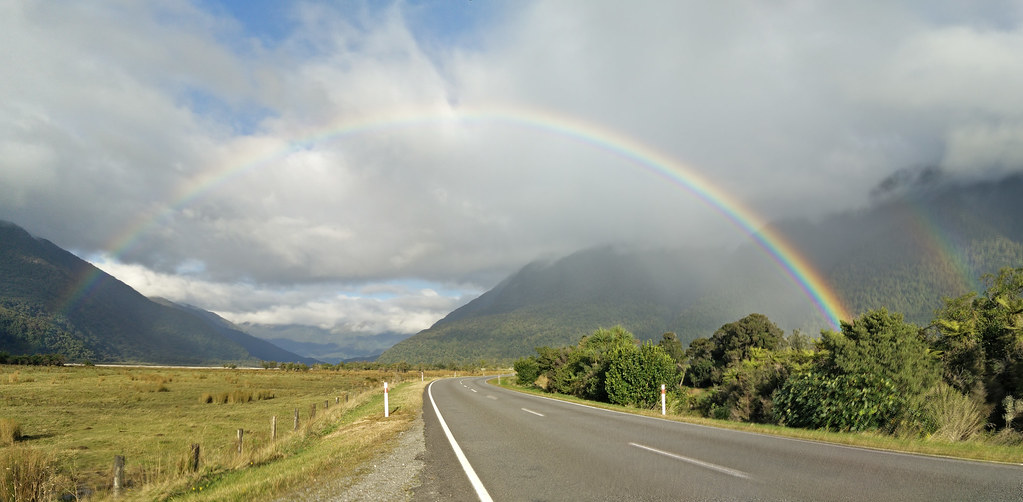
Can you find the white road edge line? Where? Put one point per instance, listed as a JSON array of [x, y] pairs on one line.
[[707, 465], [481, 492], [533, 412]]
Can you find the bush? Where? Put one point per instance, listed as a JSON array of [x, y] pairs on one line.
[[955, 417], [852, 402], [527, 370], [10, 431], [747, 387], [235, 396], [635, 375]]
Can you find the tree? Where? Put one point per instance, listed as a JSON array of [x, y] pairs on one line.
[[882, 343], [733, 341], [580, 370], [730, 344], [796, 341], [669, 342], [981, 340], [875, 372], [700, 372]]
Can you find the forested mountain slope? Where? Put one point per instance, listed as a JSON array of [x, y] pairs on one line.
[[53, 302]]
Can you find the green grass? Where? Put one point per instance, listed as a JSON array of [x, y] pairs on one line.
[[990, 447], [84, 416]]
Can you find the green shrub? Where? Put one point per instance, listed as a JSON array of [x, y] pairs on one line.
[[747, 387], [850, 402], [635, 375], [527, 370]]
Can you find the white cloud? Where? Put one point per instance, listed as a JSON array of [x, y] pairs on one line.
[[253, 178], [330, 306]]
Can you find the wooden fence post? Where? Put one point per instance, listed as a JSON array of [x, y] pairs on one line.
[[326, 404], [118, 473], [273, 429], [241, 432], [337, 400], [296, 419], [193, 461]]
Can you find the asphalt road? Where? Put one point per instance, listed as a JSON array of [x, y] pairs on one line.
[[524, 447]]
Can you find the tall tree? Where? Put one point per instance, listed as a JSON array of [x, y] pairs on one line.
[[981, 339], [669, 342], [700, 372], [733, 341], [882, 343]]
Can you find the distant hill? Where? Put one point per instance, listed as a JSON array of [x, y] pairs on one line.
[[327, 345], [906, 252], [53, 302]]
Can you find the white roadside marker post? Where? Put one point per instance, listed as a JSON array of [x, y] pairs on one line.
[[662, 400], [387, 411]]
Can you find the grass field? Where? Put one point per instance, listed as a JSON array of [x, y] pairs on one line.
[[74, 420]]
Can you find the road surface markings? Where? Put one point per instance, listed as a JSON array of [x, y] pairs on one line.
[[474, 390], [706, 465], [533, 412], [481, 492], [491, 396]]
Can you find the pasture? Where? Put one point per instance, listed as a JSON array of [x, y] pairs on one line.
[[75, 420]]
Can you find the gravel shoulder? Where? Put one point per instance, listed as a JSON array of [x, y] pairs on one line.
[[389, 477]]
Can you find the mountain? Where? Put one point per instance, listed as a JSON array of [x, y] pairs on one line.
[[907, 251], [51, 301], [328, 345], [258, 348]]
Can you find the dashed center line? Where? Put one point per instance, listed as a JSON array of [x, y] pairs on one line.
[[533, 412], [706, 465]]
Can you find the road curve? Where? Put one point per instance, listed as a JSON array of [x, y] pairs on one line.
[[525, 447]]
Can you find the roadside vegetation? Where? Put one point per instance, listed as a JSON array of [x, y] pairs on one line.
[[957, 382], [61, 427]]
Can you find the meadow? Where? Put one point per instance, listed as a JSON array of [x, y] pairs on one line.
[[65, 425]]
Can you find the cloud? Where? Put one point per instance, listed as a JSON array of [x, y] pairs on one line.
[[371, 309], [257, 167]]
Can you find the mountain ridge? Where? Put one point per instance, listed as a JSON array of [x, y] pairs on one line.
[[41, 311]]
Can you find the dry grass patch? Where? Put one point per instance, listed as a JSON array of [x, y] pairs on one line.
[[29, 474], [10, 431]]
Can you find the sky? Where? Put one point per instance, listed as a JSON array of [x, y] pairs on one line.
[[370, 166]]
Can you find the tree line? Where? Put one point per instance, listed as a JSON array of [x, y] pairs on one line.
[[33, 359], [954, 378]]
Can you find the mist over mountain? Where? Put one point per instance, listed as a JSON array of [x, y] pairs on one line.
[[924, 238], [51, 301]]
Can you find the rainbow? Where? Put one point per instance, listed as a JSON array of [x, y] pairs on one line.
[[795, 265], [939, 245]]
